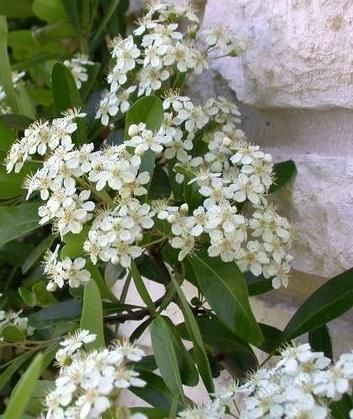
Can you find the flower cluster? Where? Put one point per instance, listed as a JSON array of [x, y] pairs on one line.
[[67, 270], [157, 55], [104, 191], [11, 318], [231, 172], [79, 68], [89, 383], [303, 383]]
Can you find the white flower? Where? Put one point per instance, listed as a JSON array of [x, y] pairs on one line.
[[108, 106], [125, 52], [78, 67]]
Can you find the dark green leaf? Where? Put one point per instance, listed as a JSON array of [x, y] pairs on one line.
[[341, 408], [73, 12], [257, 285], [20, 122], [92, 314], [225, 290], [141, 288], [156, 393], [66, 96], [37, 252], [69, 310], [196, 337], [149, 110], [23, 390], [160, 185], [320, 340], [222, 343], [165, 355], [188, 372], [17, 221], [327, 303], [10, 370], [284, 172], [272, 338]]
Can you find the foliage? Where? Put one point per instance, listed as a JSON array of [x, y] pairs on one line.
[[129, 182]]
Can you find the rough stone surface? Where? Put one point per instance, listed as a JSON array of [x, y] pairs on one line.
[[299, 51]]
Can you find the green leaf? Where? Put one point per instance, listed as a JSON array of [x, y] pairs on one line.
[[105, 292], [19, 9], [222, 343], [141, 288], [156, 393], [65, 92], [73, 247], [196, 337], [10, 370], [37, 252], [12, 185], [72, 10], [19, 122], [5, 69], [257, 285], [12, 333], [341, 408], [23, 390], [27, 296], [17, 221], [25, 104], [43, 297], [35, 404], [165, 355], [69, 310], [92, 314], [283, 172], [66, 96], [149, 110], [104, 22], [188, 372], [49, 10], [320, 341], [160, 185], [225, 289], [272, 338], [327, 303]]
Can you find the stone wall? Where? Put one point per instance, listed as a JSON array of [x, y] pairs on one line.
[[294, 85], [295, 82]]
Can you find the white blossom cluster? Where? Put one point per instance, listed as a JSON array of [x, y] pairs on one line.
[[65, 182], [66, 270], [16, 77], [302, 384], [158, 55], [78, 66], [230, 172], [89, 383], [11, 318], [105, 190]]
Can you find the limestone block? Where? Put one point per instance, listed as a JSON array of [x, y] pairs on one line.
[[320, 204], [299, 51]]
